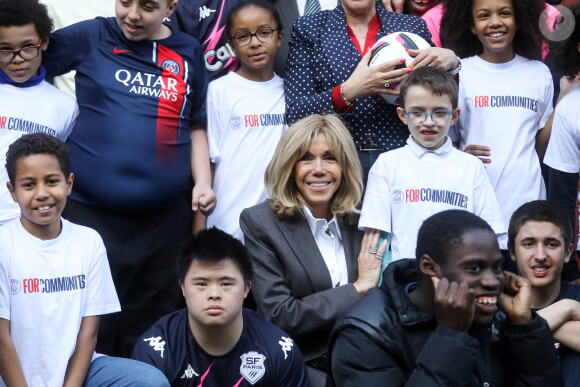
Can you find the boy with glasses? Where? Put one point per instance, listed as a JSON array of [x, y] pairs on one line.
[[428, 175], [28, 104]]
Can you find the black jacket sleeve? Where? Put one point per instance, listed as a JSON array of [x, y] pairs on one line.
[[530, 355], [562, 189], [449, 358]]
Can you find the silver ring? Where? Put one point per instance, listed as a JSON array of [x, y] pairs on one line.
[[387, 85], [380, 256], [373, 249]]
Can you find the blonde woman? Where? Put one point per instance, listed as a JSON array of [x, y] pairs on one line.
[[310, 261]]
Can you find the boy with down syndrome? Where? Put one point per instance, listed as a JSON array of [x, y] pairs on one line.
[[435, 320], [428, 175], [540, 242], [55, 282], [214, 341]]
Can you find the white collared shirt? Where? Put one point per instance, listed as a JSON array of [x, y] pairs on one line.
[[329, 241], [324, 5], [419, 150]]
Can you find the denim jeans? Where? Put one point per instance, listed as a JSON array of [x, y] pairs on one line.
[[117, 371]]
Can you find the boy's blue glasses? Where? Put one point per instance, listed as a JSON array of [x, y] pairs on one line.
[[26, 53], [438, 117]]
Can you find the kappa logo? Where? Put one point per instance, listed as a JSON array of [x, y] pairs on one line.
[[204, 12], [469, 101], [14, 287], [236, 122], [252, 368], [117, 51], [171, 66], [189, 373], [286, 343], [398, 196], [157, 344]]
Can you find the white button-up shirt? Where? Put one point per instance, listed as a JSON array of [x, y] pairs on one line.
[[329, 241]]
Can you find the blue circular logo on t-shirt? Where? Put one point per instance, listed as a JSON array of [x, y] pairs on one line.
[[171, 65]]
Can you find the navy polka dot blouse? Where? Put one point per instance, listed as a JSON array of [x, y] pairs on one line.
[[322, 56]]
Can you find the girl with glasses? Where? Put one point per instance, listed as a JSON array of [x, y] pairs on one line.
[[245, 112]]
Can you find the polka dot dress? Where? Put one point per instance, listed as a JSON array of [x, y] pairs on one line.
[[322, 56]]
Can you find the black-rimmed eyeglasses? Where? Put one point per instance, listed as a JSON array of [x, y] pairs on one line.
[[264, 34], [26, 53]]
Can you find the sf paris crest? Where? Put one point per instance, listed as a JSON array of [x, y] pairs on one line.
[[252, 368]]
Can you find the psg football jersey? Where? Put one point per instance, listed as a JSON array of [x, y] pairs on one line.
[[130, 147]]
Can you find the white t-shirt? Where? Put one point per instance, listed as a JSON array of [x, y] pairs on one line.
[[46, 288], [41, 108], [245, 121], [504, 106], [563, 151], [66, 12], [409, 184]]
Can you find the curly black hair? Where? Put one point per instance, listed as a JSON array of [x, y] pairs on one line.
[[34, 144], [457, 21], [256, 3], [566, 54], [22, 12], [441, 232]]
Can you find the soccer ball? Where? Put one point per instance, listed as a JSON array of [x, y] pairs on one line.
[[394, 46]]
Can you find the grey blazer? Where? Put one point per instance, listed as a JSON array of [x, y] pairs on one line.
[[291, 283]]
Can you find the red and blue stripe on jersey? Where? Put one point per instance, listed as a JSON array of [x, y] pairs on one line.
[[130, 147]]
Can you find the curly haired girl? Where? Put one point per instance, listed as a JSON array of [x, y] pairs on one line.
[[505, 94]]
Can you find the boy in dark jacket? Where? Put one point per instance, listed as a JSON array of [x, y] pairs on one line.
[[445, 329]]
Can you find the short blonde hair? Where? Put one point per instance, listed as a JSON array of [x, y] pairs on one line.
[[280, 179]]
